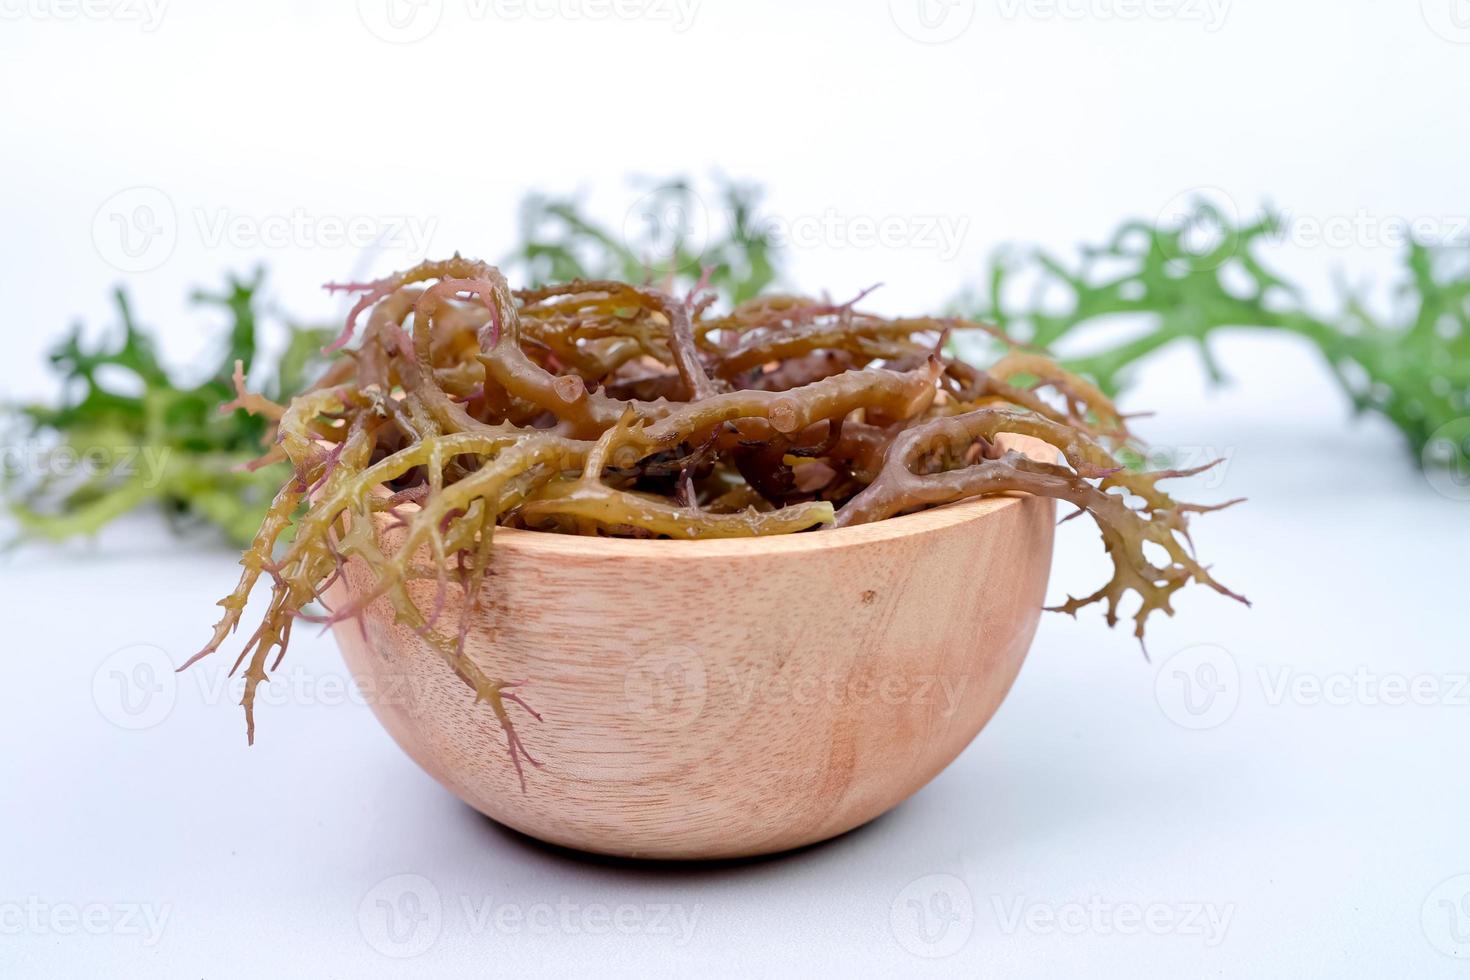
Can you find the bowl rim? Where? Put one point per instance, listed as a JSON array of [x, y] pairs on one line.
[[553, 544]]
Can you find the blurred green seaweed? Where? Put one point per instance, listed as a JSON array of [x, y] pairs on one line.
[[129, 432], [1187, 281], [671, 235]]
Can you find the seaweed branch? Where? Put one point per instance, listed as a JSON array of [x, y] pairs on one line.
[[1188, 281]]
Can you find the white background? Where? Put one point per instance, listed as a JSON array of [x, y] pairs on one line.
[[1319, 832]]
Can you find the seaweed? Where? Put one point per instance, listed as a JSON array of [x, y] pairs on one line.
[[613, 408], [128, 431], [1188, 281]]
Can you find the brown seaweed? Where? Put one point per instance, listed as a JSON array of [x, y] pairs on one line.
[[603, 407]]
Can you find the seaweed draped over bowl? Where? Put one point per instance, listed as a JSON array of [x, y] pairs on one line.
[[605, 408]]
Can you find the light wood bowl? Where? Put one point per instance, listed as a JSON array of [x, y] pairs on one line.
[[717, 699]]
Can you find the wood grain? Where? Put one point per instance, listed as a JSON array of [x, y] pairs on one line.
[[715, 699]]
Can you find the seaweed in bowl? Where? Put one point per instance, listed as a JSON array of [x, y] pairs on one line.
[[600, 407]]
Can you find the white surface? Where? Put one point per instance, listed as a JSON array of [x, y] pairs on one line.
[[1316, 832], [1321, 830]]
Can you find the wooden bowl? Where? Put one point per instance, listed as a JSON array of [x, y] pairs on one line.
[[717, 699]]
